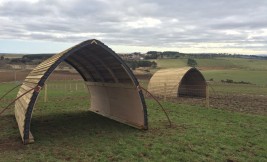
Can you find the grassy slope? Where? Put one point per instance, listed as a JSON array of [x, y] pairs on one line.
[[65, 131], [254, 77], [254, 71]]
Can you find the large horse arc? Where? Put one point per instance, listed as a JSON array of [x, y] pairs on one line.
[[113, 87]]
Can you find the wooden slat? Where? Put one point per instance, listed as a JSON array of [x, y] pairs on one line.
[[34, 77], [26, 97], [21, 105], [32, 80], [38, 73], [25, 87], [41, 69], [51, 60], [20, 117], [29, 84]]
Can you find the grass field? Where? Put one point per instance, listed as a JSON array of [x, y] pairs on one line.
[[65, 130], [224, 63], [254, 77], [237, 69]]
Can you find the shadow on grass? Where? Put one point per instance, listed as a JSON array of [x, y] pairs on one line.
[[9, 134], [76, 125]]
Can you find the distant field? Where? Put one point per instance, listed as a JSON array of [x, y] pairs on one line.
[[217, 63], [255, 77], [248, 70], [171, 63], [20, 75], [64, 130]]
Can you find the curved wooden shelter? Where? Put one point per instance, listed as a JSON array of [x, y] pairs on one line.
[[113, 87], [178, 82]]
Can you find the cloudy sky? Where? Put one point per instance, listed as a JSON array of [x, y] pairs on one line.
[[41, 26]]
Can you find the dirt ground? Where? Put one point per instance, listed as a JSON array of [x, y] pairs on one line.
[[250, 104], [19, 75], [253, 104]]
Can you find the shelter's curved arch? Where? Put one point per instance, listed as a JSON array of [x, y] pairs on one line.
[[112, 85], [178, 82]]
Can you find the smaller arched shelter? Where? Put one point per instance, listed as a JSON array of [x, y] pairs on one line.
[[178, 82]]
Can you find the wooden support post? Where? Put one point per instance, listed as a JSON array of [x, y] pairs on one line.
[[76, 86], [15, 75], [207, 96], [65, 85], [165, 92], [45, 92]]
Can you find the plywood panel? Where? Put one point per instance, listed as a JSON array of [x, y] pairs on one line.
[[117, 101]]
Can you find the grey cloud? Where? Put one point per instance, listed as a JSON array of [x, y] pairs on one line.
[[177, 23]]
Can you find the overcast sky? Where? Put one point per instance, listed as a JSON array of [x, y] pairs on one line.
[[45, 26]]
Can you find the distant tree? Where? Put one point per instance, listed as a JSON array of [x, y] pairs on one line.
[[191, 62], [2, 58], [171, 54], [135, 64], [153, 55]]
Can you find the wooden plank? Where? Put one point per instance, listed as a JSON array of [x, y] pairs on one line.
[[38, 73], [50, 60], [31, 139], [34, 77], [22, 107], [32, 80], [25, 87], [20, 117], [26, 92], [29, 84], [22, 91], [41, 69], [24, 101]]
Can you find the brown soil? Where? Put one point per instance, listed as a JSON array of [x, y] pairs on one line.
[[253, 104], [10, 144], [9, 76]]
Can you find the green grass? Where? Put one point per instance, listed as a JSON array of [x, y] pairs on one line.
[[171, 63], [222, 63], [237, 69], [249, 64], [254, 77], [239, 89], [65, 130]]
